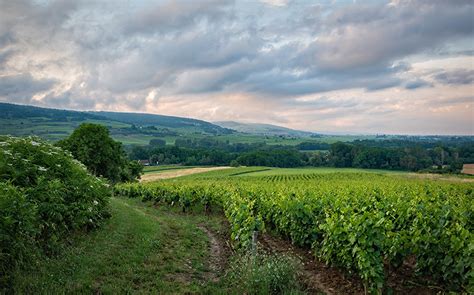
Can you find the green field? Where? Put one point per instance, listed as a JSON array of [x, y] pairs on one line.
[[297, 171], [55, 130], [359, 220], [47, 128], [257, 172]]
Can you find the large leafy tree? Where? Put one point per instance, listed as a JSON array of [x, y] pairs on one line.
[[92, 145]]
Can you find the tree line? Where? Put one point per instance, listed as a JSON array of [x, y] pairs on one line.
[[396, 155]]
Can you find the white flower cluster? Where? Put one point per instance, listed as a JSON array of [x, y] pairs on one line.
[[43, 169]]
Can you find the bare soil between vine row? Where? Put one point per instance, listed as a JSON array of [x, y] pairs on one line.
[[322, 278]]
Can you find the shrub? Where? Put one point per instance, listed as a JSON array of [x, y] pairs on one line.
[[44, 196], [18, 218]]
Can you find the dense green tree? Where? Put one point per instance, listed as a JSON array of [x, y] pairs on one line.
[[341, 154], [92, 145], [157, 142], [373, 154], [132, 171]]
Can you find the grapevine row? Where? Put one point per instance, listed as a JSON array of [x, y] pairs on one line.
[[360, 222]]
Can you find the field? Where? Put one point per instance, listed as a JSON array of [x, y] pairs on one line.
[[366, 222], [52, 130], [47, 128]]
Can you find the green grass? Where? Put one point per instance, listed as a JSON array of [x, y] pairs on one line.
[[141, 249]]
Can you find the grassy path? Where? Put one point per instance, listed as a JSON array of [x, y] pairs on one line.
[[141, 249]]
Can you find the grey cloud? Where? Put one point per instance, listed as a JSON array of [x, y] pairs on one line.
[[153, 66], [365, 35], [5, 56], [6, 38], [69, 99], [418, 83], [325, 102], [355, 49], [174, 15], [466, 100], [27, 15], [456, 77], [21, 88]]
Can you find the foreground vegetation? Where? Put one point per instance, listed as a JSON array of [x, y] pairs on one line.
[[359, 221], [45, 196], [146, 249], [139, 248]]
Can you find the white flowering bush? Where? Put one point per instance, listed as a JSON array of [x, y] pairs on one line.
[[45, 195]]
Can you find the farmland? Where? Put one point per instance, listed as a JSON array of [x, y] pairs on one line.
[[365, 223]]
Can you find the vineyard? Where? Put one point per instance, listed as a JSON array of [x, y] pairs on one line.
[[364, 223]]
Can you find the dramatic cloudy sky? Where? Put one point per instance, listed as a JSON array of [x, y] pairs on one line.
[[339, 66]]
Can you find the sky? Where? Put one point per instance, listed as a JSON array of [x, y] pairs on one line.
[[393, 67]]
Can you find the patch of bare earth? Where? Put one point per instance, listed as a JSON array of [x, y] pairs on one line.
[[177, 173], [316, 275], [321, 278], [219, 252], [432, 176]]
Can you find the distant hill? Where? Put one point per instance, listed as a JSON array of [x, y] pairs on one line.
[[130, 128], [15, 111], [164, 121], [264, 129]]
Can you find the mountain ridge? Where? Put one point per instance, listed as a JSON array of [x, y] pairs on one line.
[[264, 129], [19, 111]]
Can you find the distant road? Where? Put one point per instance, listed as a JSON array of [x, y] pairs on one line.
[[177, 173]]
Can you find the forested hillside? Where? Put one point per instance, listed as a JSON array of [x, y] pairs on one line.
[[129, 128]]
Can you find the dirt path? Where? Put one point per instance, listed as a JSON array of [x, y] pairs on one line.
[[218, 255], [219, 250], [177, 173]]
